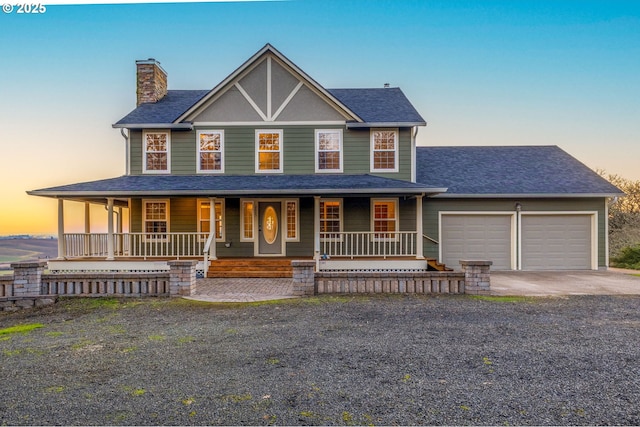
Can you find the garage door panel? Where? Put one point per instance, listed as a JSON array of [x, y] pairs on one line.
[[486, 237], [556, 242]]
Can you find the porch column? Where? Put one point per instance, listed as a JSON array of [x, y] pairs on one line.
[[110, 251], [419, 232], [61, 248], [212, 227], [87, 227], [119, 231], [316, 227]]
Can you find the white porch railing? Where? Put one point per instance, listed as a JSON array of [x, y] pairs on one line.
[[368, 244], [143, 245]]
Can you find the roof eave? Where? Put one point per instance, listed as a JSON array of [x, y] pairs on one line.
[[526, 195], [178, 126], [262, 192], [353, 125]]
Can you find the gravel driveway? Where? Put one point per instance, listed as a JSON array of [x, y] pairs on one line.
[[325, 360]]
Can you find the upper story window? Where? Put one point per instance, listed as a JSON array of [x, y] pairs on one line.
[[329, 150], [384, 150], [211, 151], [268, 151], [157, 153]]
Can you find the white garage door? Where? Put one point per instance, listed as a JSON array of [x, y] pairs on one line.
[[556, 242], [476, 237]]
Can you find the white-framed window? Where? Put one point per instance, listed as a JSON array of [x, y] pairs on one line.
[[330, 218], [328, 150], [211, 151], [384, 150], [156, 152], [155, 220], [269, 151], [384, 219], [247, 221], [292, 215], [204, 218]]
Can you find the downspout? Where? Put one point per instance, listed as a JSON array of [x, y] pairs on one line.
[[414, 155], [127, 166]]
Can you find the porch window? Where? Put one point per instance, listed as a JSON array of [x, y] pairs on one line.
[[210, 151], [292, 220], [156, 152], [330, 219], [204, 218], [384, 150], [385, 219], [156, 219], [268, 151], [329, 150], [246, 231]]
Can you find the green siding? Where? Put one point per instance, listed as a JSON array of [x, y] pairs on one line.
[[432, 207], [298, 150]]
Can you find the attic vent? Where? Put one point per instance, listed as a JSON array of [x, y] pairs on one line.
[[387, 85]]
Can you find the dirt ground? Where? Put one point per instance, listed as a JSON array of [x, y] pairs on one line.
[[330, 360]]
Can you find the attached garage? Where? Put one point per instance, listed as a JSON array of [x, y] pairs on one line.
[[557, 241], [478, 236]]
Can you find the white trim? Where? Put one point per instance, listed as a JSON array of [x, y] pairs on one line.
[[340, 214], [396, 150], [340, 150], [275, 123], [372, 218], [514, 247], [414, 135], [251, 63], [199, 151], [270, 118], [287, 100], [144, 219], [250, 101], [286, 220], [220, 201], [280, 150], [253, 220], [606, 233], [144, 152], [594, 231]]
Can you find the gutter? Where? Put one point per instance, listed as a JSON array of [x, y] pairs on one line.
[[176, 126], [524, 196], [209, 192], [353, 125]]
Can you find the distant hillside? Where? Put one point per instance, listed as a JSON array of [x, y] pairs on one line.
[[14, 250]]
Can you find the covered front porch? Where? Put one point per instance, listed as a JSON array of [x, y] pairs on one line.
[[346, 218]]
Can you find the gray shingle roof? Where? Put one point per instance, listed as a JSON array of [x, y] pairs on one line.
[[379, 105], [513, 170], [382, 105], [211, 185], [168, 109]]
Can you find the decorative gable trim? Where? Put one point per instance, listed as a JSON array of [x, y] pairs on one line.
[[271, 54]]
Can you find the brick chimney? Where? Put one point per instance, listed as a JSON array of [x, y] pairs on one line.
[[151, 81]]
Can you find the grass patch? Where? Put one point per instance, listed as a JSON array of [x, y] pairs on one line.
[[494, 298], [21, 329]]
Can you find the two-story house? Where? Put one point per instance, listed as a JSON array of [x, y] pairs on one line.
[[271, 165]]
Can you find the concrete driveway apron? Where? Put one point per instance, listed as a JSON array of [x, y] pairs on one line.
[[556, 283]]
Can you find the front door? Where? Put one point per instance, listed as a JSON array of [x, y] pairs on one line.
[[269, 228]]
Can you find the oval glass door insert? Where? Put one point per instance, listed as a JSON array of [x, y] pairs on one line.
[[270, 225]]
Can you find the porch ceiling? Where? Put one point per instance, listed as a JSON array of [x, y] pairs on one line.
[[238, 185]]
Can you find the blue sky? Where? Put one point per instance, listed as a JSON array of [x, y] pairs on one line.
[[563, 73]]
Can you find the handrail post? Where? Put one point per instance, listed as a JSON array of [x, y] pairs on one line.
[[419, 246]]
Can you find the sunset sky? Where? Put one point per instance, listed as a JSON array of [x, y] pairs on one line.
[[559, 72]]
